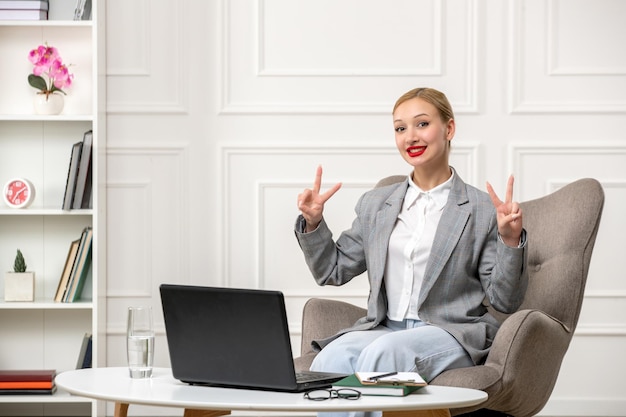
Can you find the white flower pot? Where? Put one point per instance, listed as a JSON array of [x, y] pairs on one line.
[[19, 286], [50, 104]]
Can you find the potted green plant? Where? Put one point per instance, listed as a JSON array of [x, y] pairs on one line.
[[19, 284]]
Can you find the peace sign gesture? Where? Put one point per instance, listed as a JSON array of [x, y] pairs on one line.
[[311, 202], [508, 213]]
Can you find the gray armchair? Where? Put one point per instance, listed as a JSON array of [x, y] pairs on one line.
[[522, 367]]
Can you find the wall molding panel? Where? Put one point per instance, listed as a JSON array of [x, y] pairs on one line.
[[139, 78], [548, 72], [260, 77], [138, 63], [561, 32], [524, 160], [434, 67], [148, 236], [139, 195]]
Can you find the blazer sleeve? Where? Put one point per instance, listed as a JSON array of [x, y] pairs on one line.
[[508, 281], [330, 262]]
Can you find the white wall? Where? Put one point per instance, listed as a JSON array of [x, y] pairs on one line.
[[220, 111]]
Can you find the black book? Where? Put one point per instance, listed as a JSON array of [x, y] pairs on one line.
[[84, 356], [72, 172], [29, 391], [83, 178]]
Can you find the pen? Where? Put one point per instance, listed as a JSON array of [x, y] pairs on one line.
[[377, 377]]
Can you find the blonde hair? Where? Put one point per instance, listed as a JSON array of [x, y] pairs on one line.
[[432, 96]]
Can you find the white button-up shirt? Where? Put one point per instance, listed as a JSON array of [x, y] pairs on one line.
[[409, 247]]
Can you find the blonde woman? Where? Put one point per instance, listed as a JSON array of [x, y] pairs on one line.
[[433, 247]]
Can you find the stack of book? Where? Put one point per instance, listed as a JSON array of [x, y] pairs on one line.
[[33, 382], [395, 384], [76, 269], [23, 9], [78, 193]]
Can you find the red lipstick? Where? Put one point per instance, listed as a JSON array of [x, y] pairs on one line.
[[414, 151]]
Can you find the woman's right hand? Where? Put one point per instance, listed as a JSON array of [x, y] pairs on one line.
[[311, 202]]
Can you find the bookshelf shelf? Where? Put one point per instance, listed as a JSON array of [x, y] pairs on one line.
[[45, 334], [46, 23], [44, 212], [39, 118], [45, 305]]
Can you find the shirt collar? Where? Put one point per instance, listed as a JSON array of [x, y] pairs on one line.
[[439, 194]]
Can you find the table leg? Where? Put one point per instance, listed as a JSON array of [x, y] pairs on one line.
[[189, 412], [121, 409], [418, 413]]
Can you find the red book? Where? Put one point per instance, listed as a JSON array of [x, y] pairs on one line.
[[26, 384], [27, 375]]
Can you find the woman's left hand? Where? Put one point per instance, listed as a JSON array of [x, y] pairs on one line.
[[508, 213]]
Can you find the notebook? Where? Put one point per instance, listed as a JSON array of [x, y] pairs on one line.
[[235, 338]]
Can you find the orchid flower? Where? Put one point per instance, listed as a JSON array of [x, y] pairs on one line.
[[47, 62]]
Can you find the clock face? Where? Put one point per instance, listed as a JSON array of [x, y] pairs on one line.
[[18, 193]]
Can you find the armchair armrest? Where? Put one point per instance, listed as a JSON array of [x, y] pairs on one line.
[[322, 318], [527, 337]]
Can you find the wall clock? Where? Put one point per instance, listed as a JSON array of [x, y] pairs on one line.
[[18, 193]]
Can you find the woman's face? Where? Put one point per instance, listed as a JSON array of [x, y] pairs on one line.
[[421, 136]]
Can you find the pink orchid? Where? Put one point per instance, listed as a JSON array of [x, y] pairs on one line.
[[48, 62], [60, 74]]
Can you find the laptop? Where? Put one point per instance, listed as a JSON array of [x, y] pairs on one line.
[[235, 338]]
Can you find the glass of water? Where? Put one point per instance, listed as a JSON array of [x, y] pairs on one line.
[[140, 342]]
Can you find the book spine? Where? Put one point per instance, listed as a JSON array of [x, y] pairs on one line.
[[81, 266], [28, 391], [26, 384], [23, 5], [84, 272], [88, 354], [70, 184], [67, 270], [84, 171], [13, 14], [23, 375]]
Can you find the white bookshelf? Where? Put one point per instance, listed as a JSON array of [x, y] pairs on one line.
[[44, 334]]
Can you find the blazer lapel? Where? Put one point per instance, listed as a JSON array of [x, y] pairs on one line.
[[453, 220], [385, 221]]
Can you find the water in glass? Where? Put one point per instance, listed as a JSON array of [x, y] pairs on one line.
[[140, 342]]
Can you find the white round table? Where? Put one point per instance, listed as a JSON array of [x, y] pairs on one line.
[[115, 384]]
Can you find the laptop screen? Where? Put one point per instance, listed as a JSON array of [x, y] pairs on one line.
[[228, 337]]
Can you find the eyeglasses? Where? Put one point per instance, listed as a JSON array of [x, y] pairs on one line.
[[329, 394]]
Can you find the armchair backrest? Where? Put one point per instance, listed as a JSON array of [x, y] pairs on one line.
[[562, 229], [393, 179]]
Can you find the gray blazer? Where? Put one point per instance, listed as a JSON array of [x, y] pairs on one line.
[[468, 263]]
